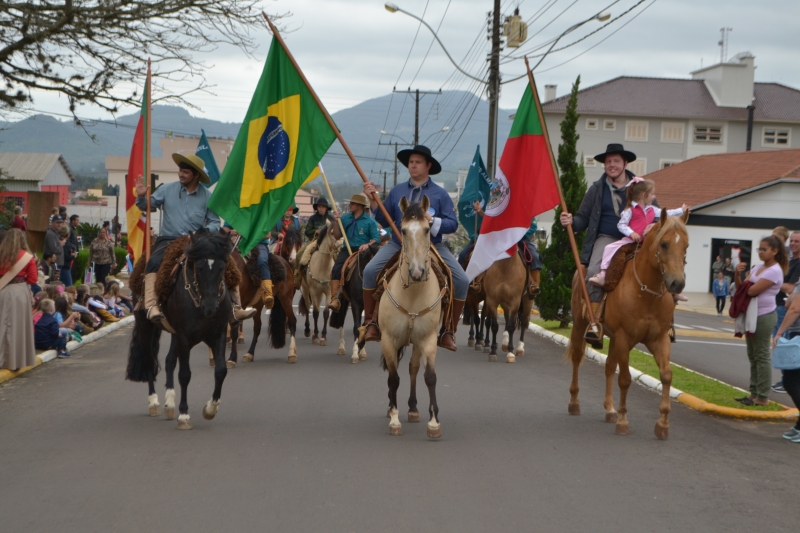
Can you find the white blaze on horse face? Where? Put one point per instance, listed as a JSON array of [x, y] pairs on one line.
[[210, 263], [415, 269], [677, 238]]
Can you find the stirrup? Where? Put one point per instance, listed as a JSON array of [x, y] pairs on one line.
[[534, 290], [672, 334], [595, 339]]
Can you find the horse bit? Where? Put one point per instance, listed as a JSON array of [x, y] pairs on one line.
[[193, 290]]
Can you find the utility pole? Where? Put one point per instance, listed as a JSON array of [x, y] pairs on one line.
[[417, 94], [384, 185], [493, 89], [395, 164]]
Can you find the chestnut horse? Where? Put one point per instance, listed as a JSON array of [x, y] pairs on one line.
[[638, 310]]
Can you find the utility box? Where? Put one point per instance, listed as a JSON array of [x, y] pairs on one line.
[[515, 30]]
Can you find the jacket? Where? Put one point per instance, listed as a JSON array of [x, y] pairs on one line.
[[315, 222], [70, 247], [442, 210], [46, 332], [720, 290], [52, 245]]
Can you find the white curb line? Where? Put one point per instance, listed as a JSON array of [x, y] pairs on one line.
[[49, 355]]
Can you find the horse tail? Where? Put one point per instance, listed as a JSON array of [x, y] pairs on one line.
[[401, 351], [338, 317], [302, 307], [277, 323], [143, 355], [465, 320]]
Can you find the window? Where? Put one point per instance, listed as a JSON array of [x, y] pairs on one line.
[[664, 163], [636, 130], [671, 132], [588, 161], [591, 123], [775, 137], [708, 134], [610, 125], [19, 201], [638, 167]]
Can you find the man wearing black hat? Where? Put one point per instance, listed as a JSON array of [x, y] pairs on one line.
[[442, 218], [600, 210], [318, 220], [53, 242]]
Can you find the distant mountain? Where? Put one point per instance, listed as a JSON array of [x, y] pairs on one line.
[[464, 113]]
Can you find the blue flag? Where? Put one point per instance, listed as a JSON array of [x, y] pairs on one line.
[[476, 188], [204, 152]]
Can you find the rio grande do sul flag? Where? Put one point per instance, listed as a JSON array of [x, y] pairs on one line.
[[134, 216], [524, 186], [283, 137]]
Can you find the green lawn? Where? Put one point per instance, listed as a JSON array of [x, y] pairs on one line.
[[707, 389]]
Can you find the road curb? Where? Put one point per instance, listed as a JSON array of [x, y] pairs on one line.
[[690, 400], [49, 355]]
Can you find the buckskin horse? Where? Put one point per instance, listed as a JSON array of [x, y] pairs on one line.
[[638, 310], [198, 308], [316, 285], [409, 313]]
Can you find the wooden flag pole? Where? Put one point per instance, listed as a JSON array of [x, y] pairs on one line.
[[570, 232], [332, 125], [146, 147], [335, 209]]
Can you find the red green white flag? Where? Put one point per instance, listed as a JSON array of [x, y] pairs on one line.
[[524, 186], [135, 217]]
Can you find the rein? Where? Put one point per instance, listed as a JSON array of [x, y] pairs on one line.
[[192, 289], [333, 250], [412, 316], [643, 286]]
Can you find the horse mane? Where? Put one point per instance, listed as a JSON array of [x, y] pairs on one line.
[[206, 245], [292, 237], [414, 211], [670, 224], [322, 234]]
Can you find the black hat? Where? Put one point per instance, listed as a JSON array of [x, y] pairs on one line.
[[403, 156], [616, 148], [320, 201], [56, 218]]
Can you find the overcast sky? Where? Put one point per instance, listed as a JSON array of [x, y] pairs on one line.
[[354, 50]]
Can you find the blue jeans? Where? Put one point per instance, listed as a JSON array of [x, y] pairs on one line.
[[781, 310], [66, 276], [460, 281], [263, 261]]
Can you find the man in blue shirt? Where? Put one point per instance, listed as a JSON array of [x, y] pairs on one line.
[[442, 218], [184, 210], [361, 231]]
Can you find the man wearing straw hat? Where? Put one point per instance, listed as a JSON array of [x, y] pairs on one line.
[[184, 210], [442, 218], [361, 231]]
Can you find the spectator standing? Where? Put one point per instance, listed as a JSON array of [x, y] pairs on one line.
[[19, 222], [47, 333], [53, 243], [717, 266], [791, 378], [720, 289], [49, 269], [17, 271], [101, 253], [70, 250], [727, 270], [766, 278], [789, 281]]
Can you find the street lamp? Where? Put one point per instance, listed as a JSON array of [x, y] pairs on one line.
[[384, 132], [445, 129]]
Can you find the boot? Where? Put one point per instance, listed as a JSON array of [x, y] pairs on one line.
[[266, 293], [591, 337], [334, 305], [534, 288], [240, 314], [108, 317], [150, 300], [371, 332], [447, 340]]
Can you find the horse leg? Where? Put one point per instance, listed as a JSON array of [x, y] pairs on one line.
[[621, 349], [471, 341], [511, 327], [478, 321], [661, 352], [249, 356], [292, 324], [234, 357], [504, 344], [495, 326], [413, 369], [184, 376], [524, 320], [390, 356], [152, 398], [434, 427], [487, 321], [220, 371], [315, 337], [611, 369], [341, 350], [359, 350], [323, 340], [575, 351], [169, 369], [307, 329]]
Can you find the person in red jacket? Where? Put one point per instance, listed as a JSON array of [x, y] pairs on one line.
[[16, 327]]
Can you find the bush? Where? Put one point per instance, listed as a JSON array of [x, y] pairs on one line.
[[82, 260], [120, 254], [88, 232]]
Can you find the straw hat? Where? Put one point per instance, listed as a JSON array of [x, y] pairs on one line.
[[195, 162], [359, 199]]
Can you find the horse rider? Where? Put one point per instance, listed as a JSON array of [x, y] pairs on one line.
[[313, 226], [289, 220], [599, 212], [361, 231], [263, 267], [442, 217], [184, 210]]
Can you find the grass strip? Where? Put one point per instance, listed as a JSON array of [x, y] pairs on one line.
[[710, 390]]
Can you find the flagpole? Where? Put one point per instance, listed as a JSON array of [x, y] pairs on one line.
[[146, 146], [335, 209], [573, 244], [332, 125]]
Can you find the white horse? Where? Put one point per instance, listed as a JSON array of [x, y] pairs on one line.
[[316, 284], [409, 313]]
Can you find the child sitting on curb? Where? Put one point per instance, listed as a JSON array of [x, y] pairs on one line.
[[46, 333]]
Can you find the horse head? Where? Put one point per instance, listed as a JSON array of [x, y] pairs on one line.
[[292, 242], [416, 233], [668, 243], [206, 259]]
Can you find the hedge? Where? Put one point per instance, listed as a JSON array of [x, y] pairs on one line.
[[79, 268]]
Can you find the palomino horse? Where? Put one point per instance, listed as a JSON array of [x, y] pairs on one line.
[[638, 310], [317, 284], [198, 309], [281, 314], [353, 297], [409, 313], [505, 284]]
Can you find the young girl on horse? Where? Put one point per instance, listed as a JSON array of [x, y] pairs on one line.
[[634, 222]]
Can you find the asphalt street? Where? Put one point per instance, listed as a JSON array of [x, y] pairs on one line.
[[306, 447]]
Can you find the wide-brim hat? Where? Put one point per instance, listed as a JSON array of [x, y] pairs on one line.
[[404, 155], [195, 162], [359, 199], [320, 201], [616, 148], [294, 208]]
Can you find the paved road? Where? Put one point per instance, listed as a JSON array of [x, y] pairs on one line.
[[305, 447]]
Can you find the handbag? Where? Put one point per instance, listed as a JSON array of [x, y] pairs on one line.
[[88, 276], [786, 355]]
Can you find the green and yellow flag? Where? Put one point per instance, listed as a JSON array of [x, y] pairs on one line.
[[283, 137]]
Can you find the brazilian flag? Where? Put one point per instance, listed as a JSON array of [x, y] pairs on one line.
[[282, 139]]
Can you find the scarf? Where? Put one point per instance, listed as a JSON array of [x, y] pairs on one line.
[[616, 201]]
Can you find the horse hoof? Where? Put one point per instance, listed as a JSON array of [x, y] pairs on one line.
[[248, 358], [362, 356], [574, 409], [230, 364], [211, 362], [184, 422], [207, 415], [314, 340], [354, 360], [622, 429], [395, 430], [661, 433], [434, 433], [487, 349], [153, 411], [492, 357], [471, 343], [323, 342], [479, 345], [510, 358], [169, 413], [340, 351], [291, 359], [612, 417], [504, 347], [520, 352], [240, 340], [413, 416], [306, 333]]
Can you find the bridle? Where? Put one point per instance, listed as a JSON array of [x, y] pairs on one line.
[[333, 251], [405, 259], [643, 286], [192, 288]]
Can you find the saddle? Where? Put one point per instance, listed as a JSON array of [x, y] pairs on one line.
[[617, 265], [350, 266], [277, 270]]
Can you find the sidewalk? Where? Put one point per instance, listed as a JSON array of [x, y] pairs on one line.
[[700, 302]]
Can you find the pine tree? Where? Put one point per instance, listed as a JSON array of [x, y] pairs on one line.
[[559, 265]]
